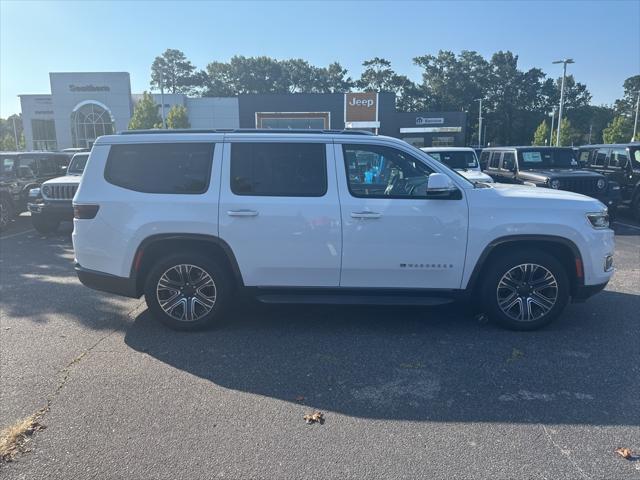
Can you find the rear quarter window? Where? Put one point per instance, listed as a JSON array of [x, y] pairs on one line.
[[173, 168]]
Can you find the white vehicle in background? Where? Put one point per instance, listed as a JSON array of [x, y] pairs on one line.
[[460, 159]]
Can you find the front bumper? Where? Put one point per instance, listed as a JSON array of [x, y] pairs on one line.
[[106, 282], [60, 211]]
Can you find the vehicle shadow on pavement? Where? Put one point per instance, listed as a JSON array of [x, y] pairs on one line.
[[419, 364]]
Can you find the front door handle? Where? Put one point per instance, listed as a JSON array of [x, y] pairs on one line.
[[242, 213], [365, 215]]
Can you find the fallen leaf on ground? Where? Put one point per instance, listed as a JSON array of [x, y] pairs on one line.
[[624, 452], [314, 417]]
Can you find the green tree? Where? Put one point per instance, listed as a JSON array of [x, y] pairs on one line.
[[619, 130], [627, 104], [569, 136], [378, 76], [335, 79], [175, 73], [177, 117], [7, 134], [541, 135], [145, 114]]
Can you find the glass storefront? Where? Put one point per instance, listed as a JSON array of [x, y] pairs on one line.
[[293, 120], [88, 122], [44, 134]]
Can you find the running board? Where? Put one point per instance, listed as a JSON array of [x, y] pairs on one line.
[[319, 299]]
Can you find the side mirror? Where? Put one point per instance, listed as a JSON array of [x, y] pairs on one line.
[[440, 185]]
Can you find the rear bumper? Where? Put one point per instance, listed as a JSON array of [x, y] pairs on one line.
[[61, 211], [585, 291], [106, 282]]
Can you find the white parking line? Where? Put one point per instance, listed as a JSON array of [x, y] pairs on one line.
[[627, 225], [17, 234]]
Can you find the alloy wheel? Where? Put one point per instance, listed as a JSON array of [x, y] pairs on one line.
[[527, 292], [186, 292]]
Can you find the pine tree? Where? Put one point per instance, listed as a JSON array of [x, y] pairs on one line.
[[178, 118], [145, 114]]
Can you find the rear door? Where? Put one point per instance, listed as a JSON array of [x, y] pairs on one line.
[[618, 170], [279, 212]]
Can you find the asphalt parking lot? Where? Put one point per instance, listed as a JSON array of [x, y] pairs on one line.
[[406, 392]]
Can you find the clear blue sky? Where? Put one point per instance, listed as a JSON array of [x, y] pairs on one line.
[[40, 37]]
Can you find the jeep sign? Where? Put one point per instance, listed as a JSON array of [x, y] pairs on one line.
[[360, 107]]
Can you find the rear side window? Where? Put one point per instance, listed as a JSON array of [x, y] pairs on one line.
[[279, 169], [600, 157], [508, 161], [495, 160], [618, 158], [180, 168]]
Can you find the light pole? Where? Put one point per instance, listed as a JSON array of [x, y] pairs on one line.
[[480, 123], [564, 74], [15, 133], [635, 123], [162, 98], [553, 117]]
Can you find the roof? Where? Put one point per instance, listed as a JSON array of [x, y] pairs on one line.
[[306, 131], [537, 147], [606, 145], [447, 149]]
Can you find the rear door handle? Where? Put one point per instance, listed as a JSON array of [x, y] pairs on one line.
[[242, 213], [365, 215]]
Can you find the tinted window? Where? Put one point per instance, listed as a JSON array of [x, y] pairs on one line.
[[495, 160], [383, 172], [508, 161], [583, 157], [78, 162], [161, 167], [635, 154], [484, 159], [618, 158], [600, 157], [48, 166], [279, 169], [27, 167]]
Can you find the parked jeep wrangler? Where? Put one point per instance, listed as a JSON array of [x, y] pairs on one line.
[[22, 171], [187, 218], [620, 163], [50, 204], [551, 167]]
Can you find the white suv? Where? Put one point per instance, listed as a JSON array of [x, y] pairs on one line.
[[462, 160], [187, 218]]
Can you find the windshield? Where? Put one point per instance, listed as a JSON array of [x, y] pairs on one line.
[[78, 162], [456, 159], [547, 158]]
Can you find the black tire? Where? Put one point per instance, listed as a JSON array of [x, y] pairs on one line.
[[44, 224], [190, 303], [499, 287], [6, 212]]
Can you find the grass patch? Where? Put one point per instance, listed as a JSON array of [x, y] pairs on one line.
[[14, 439]]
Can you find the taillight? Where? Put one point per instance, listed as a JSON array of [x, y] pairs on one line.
[[85, 212]]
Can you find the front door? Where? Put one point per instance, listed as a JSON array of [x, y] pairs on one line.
[[279, 212], [393, 236]]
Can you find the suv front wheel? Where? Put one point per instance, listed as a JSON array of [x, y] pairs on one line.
[[186, 291], [525, 290]]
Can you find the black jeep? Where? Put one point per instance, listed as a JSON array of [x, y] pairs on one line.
[[22, 171], [620, 163], [549, 167]]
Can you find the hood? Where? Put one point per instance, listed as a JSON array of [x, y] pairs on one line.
[[475, 176], [528, 192], [67, 179], [559, 173]]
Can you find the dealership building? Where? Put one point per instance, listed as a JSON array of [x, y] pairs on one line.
[[84, 106]]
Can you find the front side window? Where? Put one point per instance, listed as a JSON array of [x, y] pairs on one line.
[[600, 157], [27, 166], [173, 168], [78, 162], [48, 166], [383, 172], [508, 161], [279, 169], [495, 160], [635, 154], [583, 158]]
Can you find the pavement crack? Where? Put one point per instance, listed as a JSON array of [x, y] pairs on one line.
[[565, 454]]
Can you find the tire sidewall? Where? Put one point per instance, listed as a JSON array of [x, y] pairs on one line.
[[218, 274], [511, 259]]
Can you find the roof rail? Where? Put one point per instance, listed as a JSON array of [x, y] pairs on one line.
[[244, 130]]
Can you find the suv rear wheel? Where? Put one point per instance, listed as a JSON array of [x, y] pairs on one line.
[[186, 291], [525, 290]]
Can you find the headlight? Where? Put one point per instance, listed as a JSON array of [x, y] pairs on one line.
[[554, 184], [599, 220], [602, 183], [34, 193], [46, 189]]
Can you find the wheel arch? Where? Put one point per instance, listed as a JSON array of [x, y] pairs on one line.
[[561, 248], [157, 246]]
